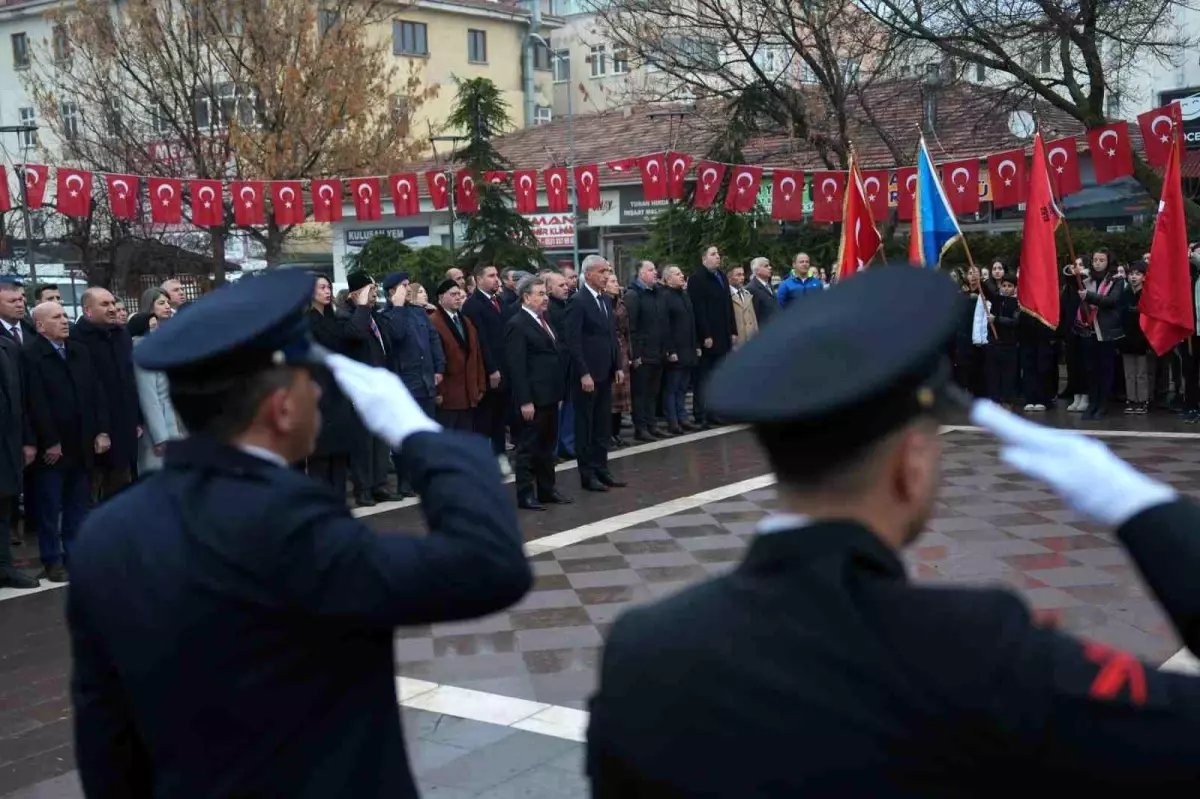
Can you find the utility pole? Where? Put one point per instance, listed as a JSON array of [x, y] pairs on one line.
[[453, 141], [29, 130]]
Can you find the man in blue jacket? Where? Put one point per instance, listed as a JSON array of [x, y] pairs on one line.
[[415, 354], [802, 280]]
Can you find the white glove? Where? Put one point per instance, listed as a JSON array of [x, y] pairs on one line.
[[381, 400], [1080, 469]]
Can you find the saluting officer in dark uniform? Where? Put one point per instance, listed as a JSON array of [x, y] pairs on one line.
[[231, 622], [815, 669]]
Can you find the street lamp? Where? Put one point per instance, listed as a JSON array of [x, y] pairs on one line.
[[570, 160], [452, 140], [26, 129]]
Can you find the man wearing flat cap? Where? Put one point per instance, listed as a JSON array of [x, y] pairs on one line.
[[231, 623], [816, 669]]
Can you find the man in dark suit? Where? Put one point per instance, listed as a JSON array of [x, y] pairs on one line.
[[716, 329], [592, 340], [16, 453], [762, 290], [369, 461], [232, 624], [536, 376], [68, 412], [485, 309], [508, 287], [14, 326], [647, 349]]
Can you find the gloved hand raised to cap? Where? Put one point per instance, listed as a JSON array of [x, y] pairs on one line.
[[1080, 469], [381, 400]]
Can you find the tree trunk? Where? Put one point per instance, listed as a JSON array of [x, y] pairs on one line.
[[273, 244], [218, 256]]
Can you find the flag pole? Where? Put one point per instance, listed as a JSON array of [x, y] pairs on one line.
[[1062, 216]]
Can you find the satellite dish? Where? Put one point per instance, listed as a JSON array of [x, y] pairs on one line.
[[1021, 124]]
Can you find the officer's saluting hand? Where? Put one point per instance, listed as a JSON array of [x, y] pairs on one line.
[[231, 622]]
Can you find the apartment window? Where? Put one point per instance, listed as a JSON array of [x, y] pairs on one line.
[[477, 47], [60, 43], [37, 224], [980, 73], [160, 122], [542, 114], [70, 120], [599, 61], [1046, 59], [850, 67], [327, 19], [562, 66], [203, 113], [768, 60], [112, 116], [28, 118], [541, 57], [620, 62], [905, 70], [236, 104], [20, 45], [409, 38]]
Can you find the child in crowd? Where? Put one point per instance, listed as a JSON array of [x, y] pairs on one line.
[[1000, 356]]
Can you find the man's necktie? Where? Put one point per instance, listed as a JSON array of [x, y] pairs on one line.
[[378, 337], [542, 321], [600, 302], [62, 352], [16, 333], [458, 325], [496, 303]]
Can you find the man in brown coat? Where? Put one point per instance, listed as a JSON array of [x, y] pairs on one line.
[[464, 381]]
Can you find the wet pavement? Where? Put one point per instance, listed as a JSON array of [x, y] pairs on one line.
[[991, 525]]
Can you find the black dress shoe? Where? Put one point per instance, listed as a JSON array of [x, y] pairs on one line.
[[55, 574], [529, 503], [566, 455], [610, 481], [555, 498], [688, 427], [644, 435], [363, 499], [593, 484], [657, 433], [383, 495], [12, 577]]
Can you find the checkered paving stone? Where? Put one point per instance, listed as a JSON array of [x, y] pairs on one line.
[[992, 525]]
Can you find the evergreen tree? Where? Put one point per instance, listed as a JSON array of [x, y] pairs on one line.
[[496, 235]]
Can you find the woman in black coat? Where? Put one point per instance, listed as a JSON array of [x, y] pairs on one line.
[[330, 461], [682, 353]]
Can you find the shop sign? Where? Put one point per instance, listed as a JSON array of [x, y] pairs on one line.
[[553, 231], [357, 237]]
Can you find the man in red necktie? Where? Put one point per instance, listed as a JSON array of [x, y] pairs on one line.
[[485, 311]]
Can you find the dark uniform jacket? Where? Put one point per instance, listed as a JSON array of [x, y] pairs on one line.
[[414, 348], [680, 328], [765, 303], [815, 669], [65, 400], [647, 322], [535, 365], [339, 424], [241, 644]]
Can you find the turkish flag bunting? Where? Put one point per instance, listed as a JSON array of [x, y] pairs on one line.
[[829, 188], [1167, 313], [74, 196], [166, 200], [525, 190], [587, 188], [1156, 125], [1037, 284], [496, 178], [787, 195], [405, 200], [207, 202], [708, 183], [1063, 156], [327, 199], [654, 183], [557, 199], [743, 188], [123, 195], [287, 201], [906, 192], [1006, 171], [466, 198], [623, 165], [678, 165], [36, 176], [860, 238], [248, 205], [367, 204], [439, 192], [5, 197], [1112, 154], [875, 185], [960, 181]]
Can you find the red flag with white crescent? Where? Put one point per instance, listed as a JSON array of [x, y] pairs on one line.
[[248, 206], [875, 184], [367, 205], [708, 183], [678, 165], [1006, 173], [1157, 125], [74, 197], [787, 195], [287, 202], [327, 200], [166, 200], [1167, 312], [123, 195], [525, 190], [405, 200], [439, 190], [860, 238], [208, 208], [1112, 154], [960, 180], [557, 199], [495, 177], [654, 178], [466, 196], [587, 187], [35, 176], [906, 192], [622, 165], [1063, 156], [743, 188], [828, 193]]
